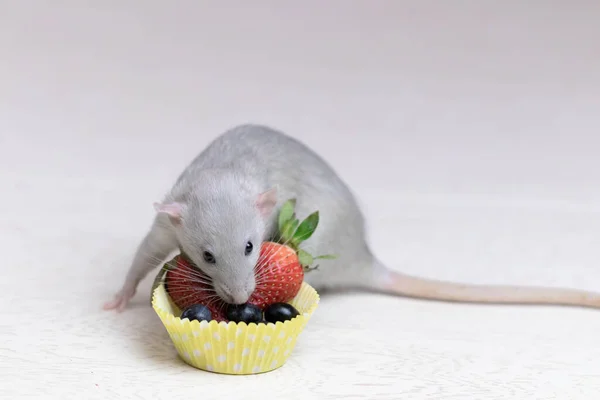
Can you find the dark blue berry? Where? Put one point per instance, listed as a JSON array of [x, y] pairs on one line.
[[244, 313], [197, 312], [280, 312]]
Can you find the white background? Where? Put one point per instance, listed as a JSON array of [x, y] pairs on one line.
[[467, 129]]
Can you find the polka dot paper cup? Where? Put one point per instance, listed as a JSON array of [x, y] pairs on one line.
[[235, 348]]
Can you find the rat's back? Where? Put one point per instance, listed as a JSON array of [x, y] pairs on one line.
[[266, 154]]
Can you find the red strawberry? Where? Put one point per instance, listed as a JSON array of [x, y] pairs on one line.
[[187, 285], [279, 275], [281, 265]]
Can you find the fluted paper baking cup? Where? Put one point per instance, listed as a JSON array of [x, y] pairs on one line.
[[235, 348]]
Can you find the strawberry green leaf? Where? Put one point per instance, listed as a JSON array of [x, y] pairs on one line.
[[306, 228], [305, 258], [326, 257], [288, 230], [286, 213]]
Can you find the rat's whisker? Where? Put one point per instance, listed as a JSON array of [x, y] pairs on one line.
[[189, 280], [267, 260], [176, 291], [191, 273], [207, 299]]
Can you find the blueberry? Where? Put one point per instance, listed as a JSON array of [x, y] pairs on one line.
[[280, 312], [244, 313], [197, 312]]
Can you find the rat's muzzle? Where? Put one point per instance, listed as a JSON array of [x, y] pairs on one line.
[[234, 295]]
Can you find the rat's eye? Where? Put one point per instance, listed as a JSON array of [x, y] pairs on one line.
[[249, 248], [209, 258]]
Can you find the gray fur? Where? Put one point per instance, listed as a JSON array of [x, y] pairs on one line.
[[218, 193]]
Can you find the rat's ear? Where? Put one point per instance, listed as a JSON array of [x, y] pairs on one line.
[[266, 201], [173, 211]]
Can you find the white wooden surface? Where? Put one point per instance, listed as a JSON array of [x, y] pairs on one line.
[[469, 131]]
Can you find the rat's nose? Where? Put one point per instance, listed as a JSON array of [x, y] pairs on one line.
[[239, 297], [235, 296]]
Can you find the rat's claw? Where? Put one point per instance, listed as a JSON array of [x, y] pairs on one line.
[[120, 301]]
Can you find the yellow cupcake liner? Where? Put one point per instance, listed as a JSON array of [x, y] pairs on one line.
[[235, 348]]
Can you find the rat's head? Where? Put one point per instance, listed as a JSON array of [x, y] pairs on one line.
[[222, 234]]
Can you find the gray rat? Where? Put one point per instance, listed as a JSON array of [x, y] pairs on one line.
[[226, 202]]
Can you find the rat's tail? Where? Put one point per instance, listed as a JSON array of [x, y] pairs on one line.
[[389, 281]]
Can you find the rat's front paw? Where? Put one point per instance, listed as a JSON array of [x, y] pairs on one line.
[[121, 300]]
